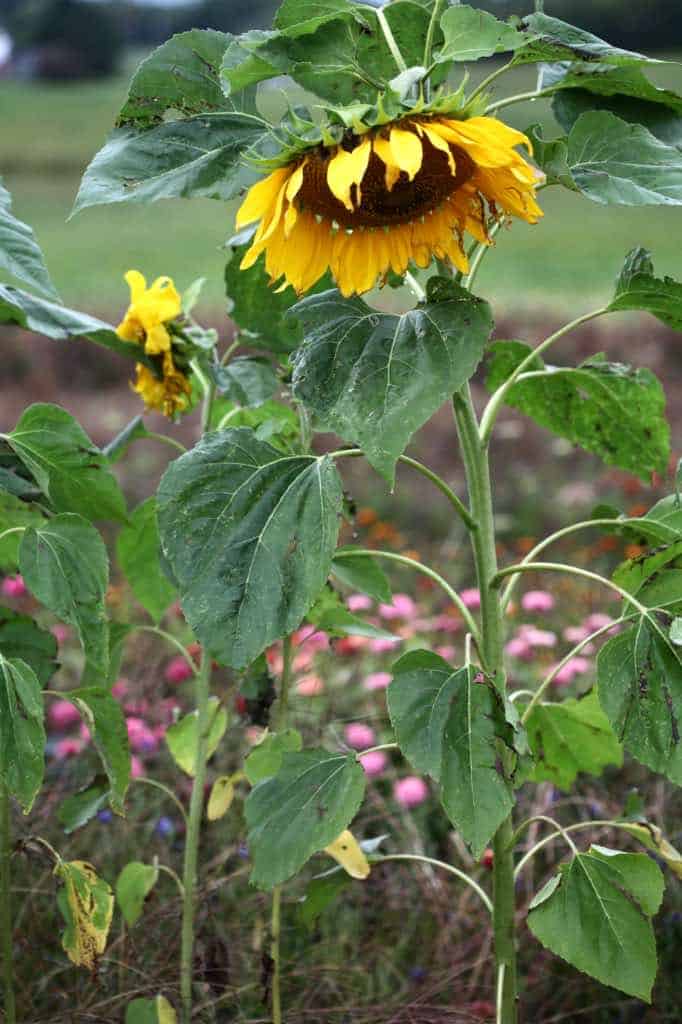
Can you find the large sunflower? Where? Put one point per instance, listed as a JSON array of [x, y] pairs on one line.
[[405, 191]]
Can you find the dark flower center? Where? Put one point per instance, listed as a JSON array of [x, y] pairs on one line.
[[379, 207]]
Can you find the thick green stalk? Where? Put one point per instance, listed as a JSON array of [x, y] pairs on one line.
[[196, 807], [276, 918], [477, 468], [6, 908]]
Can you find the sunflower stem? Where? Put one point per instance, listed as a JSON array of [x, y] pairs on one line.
[[390, 41], [276, 914], [6, 907]]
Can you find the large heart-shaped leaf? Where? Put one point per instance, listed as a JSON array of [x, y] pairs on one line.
[[570, 737], [607, 408], [638, 288], [596, 915], [297, 812], [613, 162], [65, 566], [449, 725], [375, 378], [249, 534], [104, 719], [199, 157], [138, 549], [70, 470], [246, 381], [552, 39], [14, 514], [471, 34], [640, 689], [20, 254], [22, 733]]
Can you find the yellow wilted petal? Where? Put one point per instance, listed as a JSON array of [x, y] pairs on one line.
[[261, 196], [438, 142], [407, 151], [382, 148], [164, 298], [347, 169], [347, 851], [87, 906], [137, 284], [157, 340]]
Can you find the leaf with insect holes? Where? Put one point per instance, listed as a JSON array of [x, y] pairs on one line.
[[299, 811], [596, 914], [87, 905]]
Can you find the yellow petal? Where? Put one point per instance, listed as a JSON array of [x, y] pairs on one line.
[[438, 142], [157, 340], [407, 151], [347, 852], [261, 197], [164, 298], [137, 284], [130, 328], [382, 148], [348, 169]]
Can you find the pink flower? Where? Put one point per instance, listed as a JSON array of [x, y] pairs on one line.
[[597, 620], [136, 767], [359, 603], [374, 762], [178, 670], [60, 632], [518, 647], [447, 624], [62, 715], [140, 736], [66, 748], [401, 607], [575, 634], [254, 734], [471, 598], [537, 637], [383, 644], [310, 686], [377, 681], [574, 667], [351, 644], [446, 651], [359, 736], [303, 660], [119, 689], [84, 734], [537, 601], [13, 586], [410, 791]]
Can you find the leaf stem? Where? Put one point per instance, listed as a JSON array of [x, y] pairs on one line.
[[202, 684], [6, 944], [521, 97], [169, 638], [426, 571], [497, 398], [164, 789], [560, 830], [390, 40], [12, 529], [483, 248], [431, 32], [382, 746], [483, 85], [164, 439], [529, 854], [276, 913], [485, 899], [172, 874]]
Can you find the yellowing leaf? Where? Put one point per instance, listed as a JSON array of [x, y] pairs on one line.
[[151, 1011], [348, 852], [165, 1011], [222, 795], [87, 903], [652, 837]]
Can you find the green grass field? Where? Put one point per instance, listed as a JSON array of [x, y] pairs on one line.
[[54, 130]]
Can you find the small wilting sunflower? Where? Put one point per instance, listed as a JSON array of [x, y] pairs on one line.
[[386, 195], [150, 311]]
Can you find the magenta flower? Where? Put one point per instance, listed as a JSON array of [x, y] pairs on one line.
[[62, 715], [373, 763], [401, 607], [141, 738], [410, 791], [66, 748], [377, 681], [359, 603], [597, 620], [446, 651], [359, 736], [310, 686], [13, 586], [537, 601], [447, 624], [60, 632], [471, 598], [574, 667], [136, 767], [537, 637], [383, 644], [178, 670], [518, 647]]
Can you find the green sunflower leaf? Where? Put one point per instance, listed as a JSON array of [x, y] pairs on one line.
[[596, 915], [299, 811], [361, 572], [183, 75], [22, 638], [20, 253], [616, 163], [247, 381], [134, 883], [14, 513], [448, 725], [551, 39], [471, 34], [374, 378], [637, 288], [266, 757], [571, 737], [182, 736], [65, 566], [22, 733], [80, 808], [249, 533], [138, 549], [640, 688], [59, 323], [103, 716], [242, 67], [301, 17], [609, 409], [69, 469], [198, 157]]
